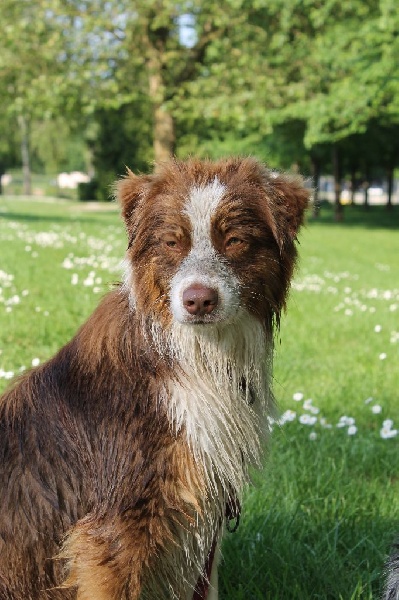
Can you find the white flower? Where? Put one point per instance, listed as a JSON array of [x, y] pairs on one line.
[[307, 404], [345, 421], [376, 409], [74, 279], [368, 400], [35, 362], [377, 328], [307, 420], [313, 436], [298, 396], [13, 300], [383, 356], [352, 430], [67, 264], [288, 415], [387, 433], [6, 374]]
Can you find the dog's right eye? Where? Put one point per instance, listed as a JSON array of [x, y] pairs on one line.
[[171, 243]]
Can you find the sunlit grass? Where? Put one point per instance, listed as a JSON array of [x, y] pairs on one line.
[[320, 519], [46, 248]]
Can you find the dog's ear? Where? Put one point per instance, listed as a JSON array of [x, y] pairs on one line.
[[288, 199], [129, 191]]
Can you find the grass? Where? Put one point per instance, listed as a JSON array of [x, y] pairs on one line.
[[320, 519]]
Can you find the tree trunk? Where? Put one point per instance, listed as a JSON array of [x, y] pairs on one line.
[[316, 172], [163, 124], [390, 187], [336, 160], [2, 171], [25, 155], [164, 134], [366, 185], [353, 183]]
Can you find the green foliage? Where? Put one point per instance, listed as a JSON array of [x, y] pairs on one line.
[[122, 139], [346, 75], [55, 147], [87, 192], [278, 79]]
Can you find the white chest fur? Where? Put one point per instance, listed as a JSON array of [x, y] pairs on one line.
[[222, 396]]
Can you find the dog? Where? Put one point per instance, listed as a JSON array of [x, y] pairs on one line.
[[124, 454]]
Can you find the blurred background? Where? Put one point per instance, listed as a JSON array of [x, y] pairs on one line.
[[90, 86]]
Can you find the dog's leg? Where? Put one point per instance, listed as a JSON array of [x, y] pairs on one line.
[[105, 561]]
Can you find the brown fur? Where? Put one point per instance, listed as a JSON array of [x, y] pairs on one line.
[[96, 488]]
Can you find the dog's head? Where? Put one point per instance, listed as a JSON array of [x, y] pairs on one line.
[[211, 240]]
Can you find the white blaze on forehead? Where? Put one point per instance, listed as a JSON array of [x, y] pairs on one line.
[[201, 205], [203, 266]]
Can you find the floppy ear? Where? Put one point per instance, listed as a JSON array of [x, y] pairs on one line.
[[129, 191], [289, 199]]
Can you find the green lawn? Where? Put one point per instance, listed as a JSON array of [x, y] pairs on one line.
[[319, 521]]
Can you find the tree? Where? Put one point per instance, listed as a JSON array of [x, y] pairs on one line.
[[192, 60], [31, 67], [338, 61], [8, 149]]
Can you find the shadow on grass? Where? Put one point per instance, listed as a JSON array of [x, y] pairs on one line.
[[373, 217], [315, 526], [82, 217], [274, 558]]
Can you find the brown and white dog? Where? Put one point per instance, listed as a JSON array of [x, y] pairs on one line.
[[120, 456]]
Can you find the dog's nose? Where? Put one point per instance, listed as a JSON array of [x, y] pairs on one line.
[[200, 300]]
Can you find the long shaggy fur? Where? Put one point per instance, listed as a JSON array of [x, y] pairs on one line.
[[121, 455]]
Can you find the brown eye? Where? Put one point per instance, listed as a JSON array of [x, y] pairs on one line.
[[233, 241], [171, 243]]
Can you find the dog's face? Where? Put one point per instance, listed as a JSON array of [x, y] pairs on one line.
[[211, 240]]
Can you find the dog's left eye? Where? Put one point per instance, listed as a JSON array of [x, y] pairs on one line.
[[171, 243], [233, 241]]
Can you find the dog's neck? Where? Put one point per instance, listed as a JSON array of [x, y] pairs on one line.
[[221, 394]]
